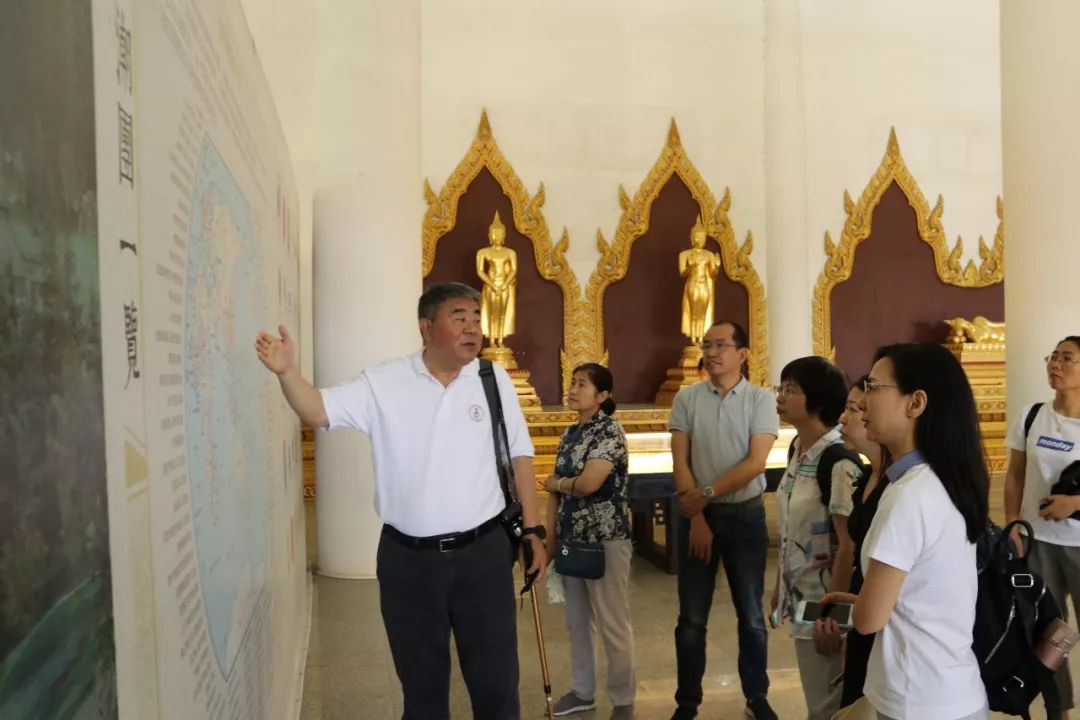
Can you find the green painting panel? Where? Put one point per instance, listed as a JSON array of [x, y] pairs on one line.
[[57, 658]]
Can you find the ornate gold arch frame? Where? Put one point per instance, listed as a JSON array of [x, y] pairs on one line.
[[840, 259], [634, 221], [441, 216]]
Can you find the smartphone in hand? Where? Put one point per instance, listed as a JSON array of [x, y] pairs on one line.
[[809, 611]]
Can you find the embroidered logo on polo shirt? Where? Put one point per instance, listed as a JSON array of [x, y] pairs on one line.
[[1054, 444], [476, 413]]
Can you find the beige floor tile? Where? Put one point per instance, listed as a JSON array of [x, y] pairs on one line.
[[350, 673]]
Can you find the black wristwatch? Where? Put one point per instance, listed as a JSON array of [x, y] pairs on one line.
[[538, 530]]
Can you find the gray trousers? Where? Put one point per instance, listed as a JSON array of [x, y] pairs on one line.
[[1059, 567], [607, 603], [816, 672]]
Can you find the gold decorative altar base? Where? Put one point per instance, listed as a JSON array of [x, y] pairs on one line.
[[678, 378], [984, 365], [527, 397], [546, 426]]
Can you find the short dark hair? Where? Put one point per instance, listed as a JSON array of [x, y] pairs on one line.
[[437, 294], [1074, 339], [947, 433], [823, 385], [738, 333], [602, 380]]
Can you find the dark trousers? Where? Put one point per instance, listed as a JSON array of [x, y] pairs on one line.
[[740, 541], [856, 659], [424, 595]]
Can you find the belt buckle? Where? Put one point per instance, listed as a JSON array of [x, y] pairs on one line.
[[444, 548]]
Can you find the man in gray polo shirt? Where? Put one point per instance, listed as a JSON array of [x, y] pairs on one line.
[[721, 432]]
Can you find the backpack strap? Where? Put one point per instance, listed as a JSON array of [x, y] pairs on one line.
[[829, 457], [498, 430], [1026, 588], [1030, 419]]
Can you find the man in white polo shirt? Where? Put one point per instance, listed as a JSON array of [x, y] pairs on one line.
[[444, 561]]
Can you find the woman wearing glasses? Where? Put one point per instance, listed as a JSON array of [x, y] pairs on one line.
[[919, 555], [1037, 455], [864, 504], [816, 551]]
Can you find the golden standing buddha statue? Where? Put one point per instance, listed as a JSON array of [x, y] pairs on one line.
[[497, 267], [699, 266]]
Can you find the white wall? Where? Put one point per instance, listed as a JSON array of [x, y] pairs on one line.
[[285, 36], [580, 96], [1042, 175], [930, 69]]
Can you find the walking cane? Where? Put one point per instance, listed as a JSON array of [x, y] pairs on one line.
[[527, 557], [543, 653]]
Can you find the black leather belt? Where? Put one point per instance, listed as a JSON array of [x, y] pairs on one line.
[[442, 543]]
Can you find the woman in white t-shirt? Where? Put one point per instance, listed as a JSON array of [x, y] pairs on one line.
[[920, 580], [1036, 458]]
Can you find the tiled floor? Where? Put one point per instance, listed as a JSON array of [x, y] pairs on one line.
[[350, 673]]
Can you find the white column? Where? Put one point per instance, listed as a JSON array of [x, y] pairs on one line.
[[1040, 94], [788, 282], [366, 258]]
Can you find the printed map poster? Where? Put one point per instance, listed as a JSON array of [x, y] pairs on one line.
[[205, 460]]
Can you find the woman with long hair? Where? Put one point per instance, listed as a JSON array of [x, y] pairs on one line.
[[921, 585], [869, 487]]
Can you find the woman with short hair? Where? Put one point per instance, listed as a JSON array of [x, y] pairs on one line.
[[816, 552]]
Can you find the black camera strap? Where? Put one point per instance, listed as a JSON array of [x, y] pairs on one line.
[[503, 462], [505, 467]]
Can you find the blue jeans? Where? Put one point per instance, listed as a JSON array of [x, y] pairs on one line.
[[741, 542]]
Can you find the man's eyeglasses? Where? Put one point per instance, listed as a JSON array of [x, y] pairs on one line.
[[1063, 358], [707, 346], [787, 390], [870, 386]]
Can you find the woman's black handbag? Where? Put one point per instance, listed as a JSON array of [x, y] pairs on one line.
[[580, 559]]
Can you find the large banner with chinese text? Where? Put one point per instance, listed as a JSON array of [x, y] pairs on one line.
[[199, 251]]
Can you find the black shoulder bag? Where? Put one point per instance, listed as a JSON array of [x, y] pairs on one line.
[[511, 517], [580, 558]]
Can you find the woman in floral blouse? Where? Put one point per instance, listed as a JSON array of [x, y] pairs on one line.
[[816, 550], [588, 502]]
